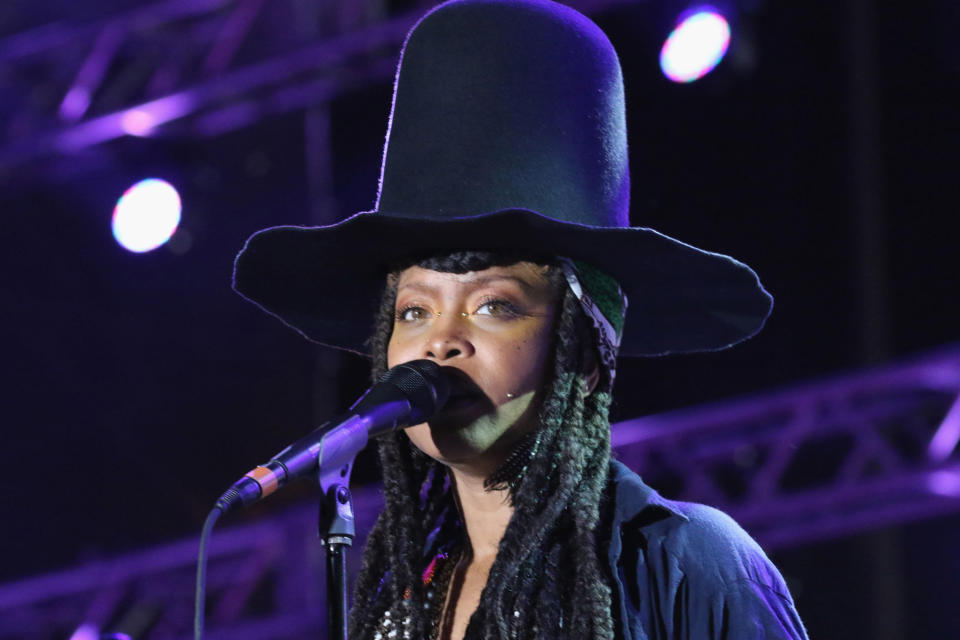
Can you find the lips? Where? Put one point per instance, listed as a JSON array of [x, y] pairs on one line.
[[464, 392], [457, 403]]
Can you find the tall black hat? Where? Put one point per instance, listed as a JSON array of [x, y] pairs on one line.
[[507, 132]]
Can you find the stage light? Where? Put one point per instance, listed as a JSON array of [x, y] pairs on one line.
[[86, 631], [146, 215], [695, 46]]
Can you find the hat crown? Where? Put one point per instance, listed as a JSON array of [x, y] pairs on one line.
[[503, 104], [507, 132]]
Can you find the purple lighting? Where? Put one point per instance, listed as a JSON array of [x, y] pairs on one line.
[[138, 122], [695, 46], [86, 631], [947, 436], [143, 120], [75, 103], [944, 483]]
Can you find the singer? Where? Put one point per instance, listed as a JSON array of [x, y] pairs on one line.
[[500, 247]]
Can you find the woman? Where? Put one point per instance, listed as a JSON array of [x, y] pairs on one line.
[[526, 444], [500, 248]]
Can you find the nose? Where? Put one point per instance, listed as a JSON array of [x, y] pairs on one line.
[[448, 338]]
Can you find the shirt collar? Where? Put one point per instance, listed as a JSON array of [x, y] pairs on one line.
[[632, 499], [632, 496]]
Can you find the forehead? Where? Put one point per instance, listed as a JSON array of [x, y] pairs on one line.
[[528, 276]]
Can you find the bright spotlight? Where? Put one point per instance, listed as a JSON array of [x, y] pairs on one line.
[[146, 215], [695, 46]]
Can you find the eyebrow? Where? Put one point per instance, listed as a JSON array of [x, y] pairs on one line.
[[476, 283]]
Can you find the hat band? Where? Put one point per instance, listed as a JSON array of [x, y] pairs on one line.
[[608, 340]]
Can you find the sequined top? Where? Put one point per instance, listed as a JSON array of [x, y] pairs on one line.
[[436, 580]]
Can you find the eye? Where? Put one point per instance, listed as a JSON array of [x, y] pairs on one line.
[[411, 314], [497, 309]]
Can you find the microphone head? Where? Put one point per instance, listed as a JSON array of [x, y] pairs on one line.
[[424, 385]]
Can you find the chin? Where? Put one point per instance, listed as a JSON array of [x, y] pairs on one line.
[[456, 444], [482, 443]]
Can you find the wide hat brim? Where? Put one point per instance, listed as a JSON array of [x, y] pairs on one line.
[[325, 282]]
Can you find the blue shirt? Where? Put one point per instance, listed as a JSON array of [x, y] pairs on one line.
[[687, 571]]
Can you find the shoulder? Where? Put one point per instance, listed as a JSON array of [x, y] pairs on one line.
[[692, 565], [711, 546], [696, 540]]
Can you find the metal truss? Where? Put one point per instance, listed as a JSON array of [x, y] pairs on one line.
[[817, 461], [187, 67], [265, 582], [192, 68], [806, 463], [152, 590]]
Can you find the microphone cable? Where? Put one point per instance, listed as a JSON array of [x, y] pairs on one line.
[[406, 394], [200, 595]]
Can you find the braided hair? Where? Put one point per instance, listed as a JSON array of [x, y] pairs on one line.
[[542, 584]]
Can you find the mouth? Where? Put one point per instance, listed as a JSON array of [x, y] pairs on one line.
[[464, 392], [459, 402]]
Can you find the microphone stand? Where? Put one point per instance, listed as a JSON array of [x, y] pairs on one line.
[[336, 530], [335, 457], [406, 394]]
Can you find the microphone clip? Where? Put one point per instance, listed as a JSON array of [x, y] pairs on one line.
[[336, 522]]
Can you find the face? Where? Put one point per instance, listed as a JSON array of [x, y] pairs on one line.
[[491, 330]]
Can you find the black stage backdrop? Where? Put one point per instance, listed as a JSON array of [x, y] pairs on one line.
[[136, 387]]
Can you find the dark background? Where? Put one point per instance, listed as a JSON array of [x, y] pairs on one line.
[[135, 388]]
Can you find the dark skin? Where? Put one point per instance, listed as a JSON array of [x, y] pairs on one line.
[[495, 329]]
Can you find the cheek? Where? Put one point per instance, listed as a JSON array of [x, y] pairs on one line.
[[394, 352], [525, 360], [390, 355], [536, 367]]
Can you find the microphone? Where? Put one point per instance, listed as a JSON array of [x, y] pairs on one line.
[[409, 393]]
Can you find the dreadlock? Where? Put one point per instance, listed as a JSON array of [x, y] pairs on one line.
[[542, 583]]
